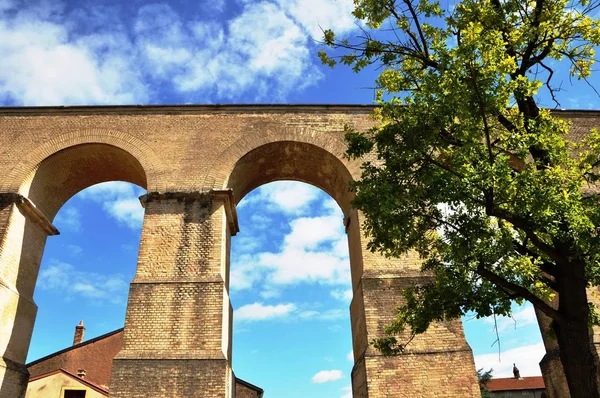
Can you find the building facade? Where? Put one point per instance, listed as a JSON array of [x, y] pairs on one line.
[[522, 387], [197, 163], [83, 370]]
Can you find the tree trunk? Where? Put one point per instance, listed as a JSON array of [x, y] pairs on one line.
[[573, 335]]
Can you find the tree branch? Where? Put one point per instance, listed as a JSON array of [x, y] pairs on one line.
[[524, 226], [546, 267], [418, 25], [521, 291]]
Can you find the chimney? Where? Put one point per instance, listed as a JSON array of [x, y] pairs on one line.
[[81, 373], [79, 332]]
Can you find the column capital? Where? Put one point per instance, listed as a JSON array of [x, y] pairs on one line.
[[223, 195], [29, 210]]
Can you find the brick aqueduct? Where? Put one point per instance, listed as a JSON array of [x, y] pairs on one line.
[[196, 163]]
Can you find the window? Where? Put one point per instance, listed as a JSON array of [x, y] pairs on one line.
[[74, 394]]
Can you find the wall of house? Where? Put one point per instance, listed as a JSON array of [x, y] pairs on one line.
[[242, 391], [54, 385], [95, 357], [518, 393]]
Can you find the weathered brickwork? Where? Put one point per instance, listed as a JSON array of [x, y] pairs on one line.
[[143, 378], [197, 162], [94, 356], [247, 390], [176, 317], [447, 374]]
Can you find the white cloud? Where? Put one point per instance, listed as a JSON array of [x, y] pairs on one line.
[[340, 248], [74, 250], [350, 356], [128, 212], [268, 39], [108, 191], [70, 282], [244, 273], [102, 55], [68, 218], [332, 208], [317, 15], [314, 251], [248, 243], [328, 315], [334, 314], [347, 391], [304, 256], [343, 295], [294, 266], [260, 221], [288, 196], [270, 292], [309, 232], [289, 311], [260, 52], [44, 63], [325, 376], [120, 200], [308, 314], [261, 312], [525, 315], [527, 359]]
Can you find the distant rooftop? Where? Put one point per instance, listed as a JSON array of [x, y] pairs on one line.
[[511, 384]]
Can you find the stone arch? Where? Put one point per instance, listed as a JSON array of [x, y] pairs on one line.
[[20, 176], [377, 282], [34, 192], [291, 160], [224, 163], [318, 161], [50, 184]]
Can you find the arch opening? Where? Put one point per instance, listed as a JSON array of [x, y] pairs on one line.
[[303, 163], [84, 276], [54, 181], [290, 289]]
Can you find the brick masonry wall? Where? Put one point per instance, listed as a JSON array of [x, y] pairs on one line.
[[48, 154], [95, 357], [242, 391], [176, 316], [189, 378]]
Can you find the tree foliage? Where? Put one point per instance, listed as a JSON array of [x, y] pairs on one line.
[[466, 168], [483, 377]]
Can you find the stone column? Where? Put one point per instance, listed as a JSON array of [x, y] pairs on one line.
[[177, 338], [436, 363], [23, 232]]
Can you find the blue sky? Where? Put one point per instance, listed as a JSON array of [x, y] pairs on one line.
[[290, 288], [290, 285]]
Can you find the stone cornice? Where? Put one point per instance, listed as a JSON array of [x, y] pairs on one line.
[[224, 195], [221, 109], [29, 210], [184, 109]]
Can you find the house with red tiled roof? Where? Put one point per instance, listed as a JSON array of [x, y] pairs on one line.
[[522, 387], [83, 370]]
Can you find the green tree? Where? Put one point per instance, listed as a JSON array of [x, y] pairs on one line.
[[467, 169], [483, 377]]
